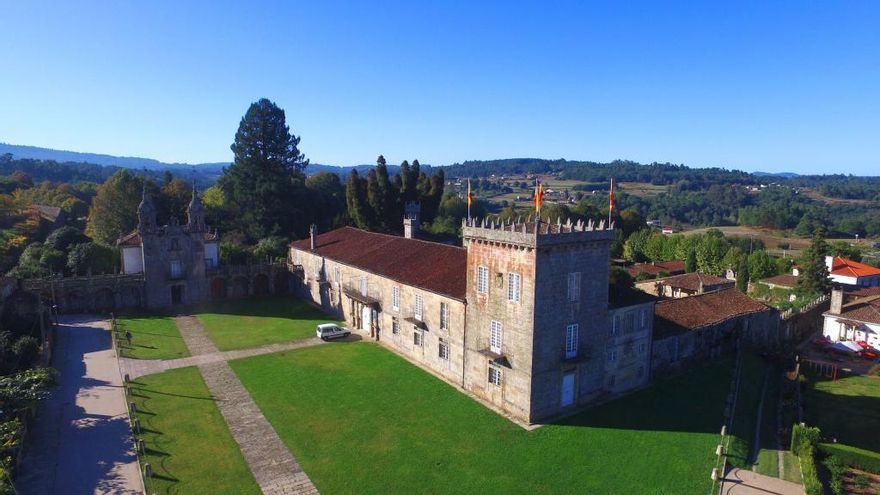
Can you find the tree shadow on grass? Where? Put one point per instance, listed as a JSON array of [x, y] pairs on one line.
[[287, 307], [690, 402]]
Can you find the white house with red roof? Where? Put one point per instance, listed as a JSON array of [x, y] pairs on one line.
[[853, 317], [849, 272]]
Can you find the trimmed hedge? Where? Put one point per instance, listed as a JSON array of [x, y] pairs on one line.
[[865, 460], [812, 485], [802, 436]]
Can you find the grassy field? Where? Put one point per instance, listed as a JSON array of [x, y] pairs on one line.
[[643, 189], [153, 337], [771, 238], [243, 323], [360, 419], [847, 409], [188, 443]]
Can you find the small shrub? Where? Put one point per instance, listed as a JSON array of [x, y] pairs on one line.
[[862, 481], [837, 470], [803, 436], [865, 460]]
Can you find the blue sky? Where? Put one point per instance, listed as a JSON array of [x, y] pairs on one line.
[[774, 86]]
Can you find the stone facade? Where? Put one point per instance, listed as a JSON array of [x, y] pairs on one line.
[[529, 335], [163, 266], [628, 350]]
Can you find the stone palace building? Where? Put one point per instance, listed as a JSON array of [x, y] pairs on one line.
[[518, 317]]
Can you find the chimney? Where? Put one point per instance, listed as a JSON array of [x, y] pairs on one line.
[[836, 300], [313, 235], [411, 214]]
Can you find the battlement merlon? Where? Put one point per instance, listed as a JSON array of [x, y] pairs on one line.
[[537, 233]]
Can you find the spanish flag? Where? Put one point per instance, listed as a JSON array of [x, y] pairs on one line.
[[611, 198], [539, 197]]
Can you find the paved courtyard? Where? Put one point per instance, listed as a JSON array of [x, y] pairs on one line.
[[743, 482], [81, 440]]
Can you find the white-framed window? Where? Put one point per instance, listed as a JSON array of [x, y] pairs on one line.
[[395, 298], [444, 316], [364, 286], [514, 286], [176, 269], [571, 341], [612, 355], [395, 325], [418, 338], [417, 310], [443, 350], [337, 277], [615, 324], [644, 322], [495, 331], [574, 286], [494, 376], [482, 279]]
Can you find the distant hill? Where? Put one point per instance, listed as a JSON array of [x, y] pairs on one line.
[[62, 156], [787, 175]]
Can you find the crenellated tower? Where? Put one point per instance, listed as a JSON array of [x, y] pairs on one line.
[[537, 296]]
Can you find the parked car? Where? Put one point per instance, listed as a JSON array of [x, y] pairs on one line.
[[822, 341], [328, 331], [870, 354]]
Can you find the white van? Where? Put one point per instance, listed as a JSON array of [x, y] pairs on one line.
[[327, 331]]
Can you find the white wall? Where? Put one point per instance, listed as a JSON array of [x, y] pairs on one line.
[[836, 331], [132, 260]]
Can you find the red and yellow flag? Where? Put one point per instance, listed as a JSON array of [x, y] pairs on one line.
[[470, 196], [539, 197], [611, 198]]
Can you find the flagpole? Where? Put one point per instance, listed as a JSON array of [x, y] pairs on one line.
[[469, 198]]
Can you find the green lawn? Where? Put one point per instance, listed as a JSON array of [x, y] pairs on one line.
[[848, 409], [153, 337], [243, 323], [792, 468], [768, 461], [748, 398], [360, 419], [188, 443]]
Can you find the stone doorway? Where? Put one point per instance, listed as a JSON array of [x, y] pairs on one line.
[[176, 294]]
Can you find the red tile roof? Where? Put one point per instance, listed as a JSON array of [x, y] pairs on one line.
[[692, 281], [675, 316], [866, 309], [438, 268], [787, 281], [849, 268], [851, 294], [670, 267]]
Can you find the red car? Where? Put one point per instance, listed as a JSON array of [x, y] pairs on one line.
[[870, 353], [863, 344]]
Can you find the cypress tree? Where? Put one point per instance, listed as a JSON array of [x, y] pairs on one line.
[[690, 264], [742, 274], [374, 202], [354, 200], [813, 278]]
